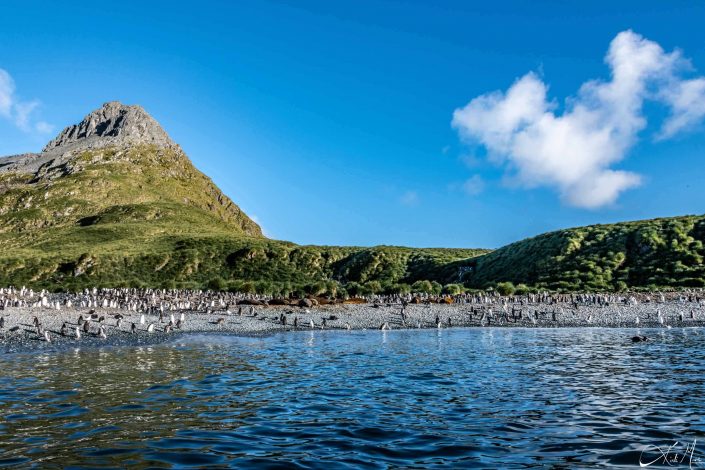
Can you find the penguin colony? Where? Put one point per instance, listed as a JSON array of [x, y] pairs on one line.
[[104, 313]]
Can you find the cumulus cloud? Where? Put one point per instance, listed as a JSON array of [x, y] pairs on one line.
[[17, 111], [574, 151]]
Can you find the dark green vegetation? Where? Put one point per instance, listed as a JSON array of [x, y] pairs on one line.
[[144, 216], [646, 254]]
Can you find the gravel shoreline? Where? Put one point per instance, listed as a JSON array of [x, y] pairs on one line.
[[267, 320]]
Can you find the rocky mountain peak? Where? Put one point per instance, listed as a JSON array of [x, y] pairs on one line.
[[112, 124]]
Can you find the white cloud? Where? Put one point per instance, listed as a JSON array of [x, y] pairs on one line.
[[574, 151], [17, 111], [7, 89], [474, 185], [409, 198], [687, 100], [22, 114], [44, 127]]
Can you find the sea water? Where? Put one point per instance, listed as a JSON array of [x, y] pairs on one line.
[[468, 398]]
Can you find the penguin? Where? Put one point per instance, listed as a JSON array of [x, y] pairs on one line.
[[347, 326], [47, 337], [101, 332], [182, 318], [142, 320], [101, 319], [80, 320], [167, 328], [179, 322], [220, 321], [118, 323], [150, 328], [36, 322], [312, 324], [2, 323], [86, 327], [78, 333], [133, 329], [64, 329], [639, 339]]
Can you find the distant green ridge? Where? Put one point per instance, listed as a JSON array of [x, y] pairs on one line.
[[666, 252]]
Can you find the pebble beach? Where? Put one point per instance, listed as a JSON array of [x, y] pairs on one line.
[[18, 332]]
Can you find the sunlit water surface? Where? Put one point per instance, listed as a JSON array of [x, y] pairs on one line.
[[465, 398]]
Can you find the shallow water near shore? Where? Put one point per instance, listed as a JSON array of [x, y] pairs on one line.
[[331, 399]]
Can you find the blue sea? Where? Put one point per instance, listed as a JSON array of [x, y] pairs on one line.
[[459, 398]]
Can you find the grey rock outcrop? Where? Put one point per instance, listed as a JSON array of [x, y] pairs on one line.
[[112, 125]]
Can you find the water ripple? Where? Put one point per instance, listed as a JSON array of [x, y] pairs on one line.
[[463, 398]]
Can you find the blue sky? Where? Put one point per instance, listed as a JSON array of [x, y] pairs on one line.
[[333, 122]]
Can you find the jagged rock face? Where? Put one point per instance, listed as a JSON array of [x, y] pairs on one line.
[[114, 123]]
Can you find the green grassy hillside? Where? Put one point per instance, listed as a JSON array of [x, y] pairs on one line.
[[648, 254], [144, 216]]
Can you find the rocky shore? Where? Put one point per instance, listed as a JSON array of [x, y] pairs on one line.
[[19, 333]]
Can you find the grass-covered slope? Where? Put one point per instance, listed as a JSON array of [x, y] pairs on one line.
[[664, 252], [144, 216], [137, 183]]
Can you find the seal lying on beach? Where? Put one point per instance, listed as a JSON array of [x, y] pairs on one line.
[[639, 339]]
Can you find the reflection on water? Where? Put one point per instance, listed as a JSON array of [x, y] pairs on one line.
[[473, 398]]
